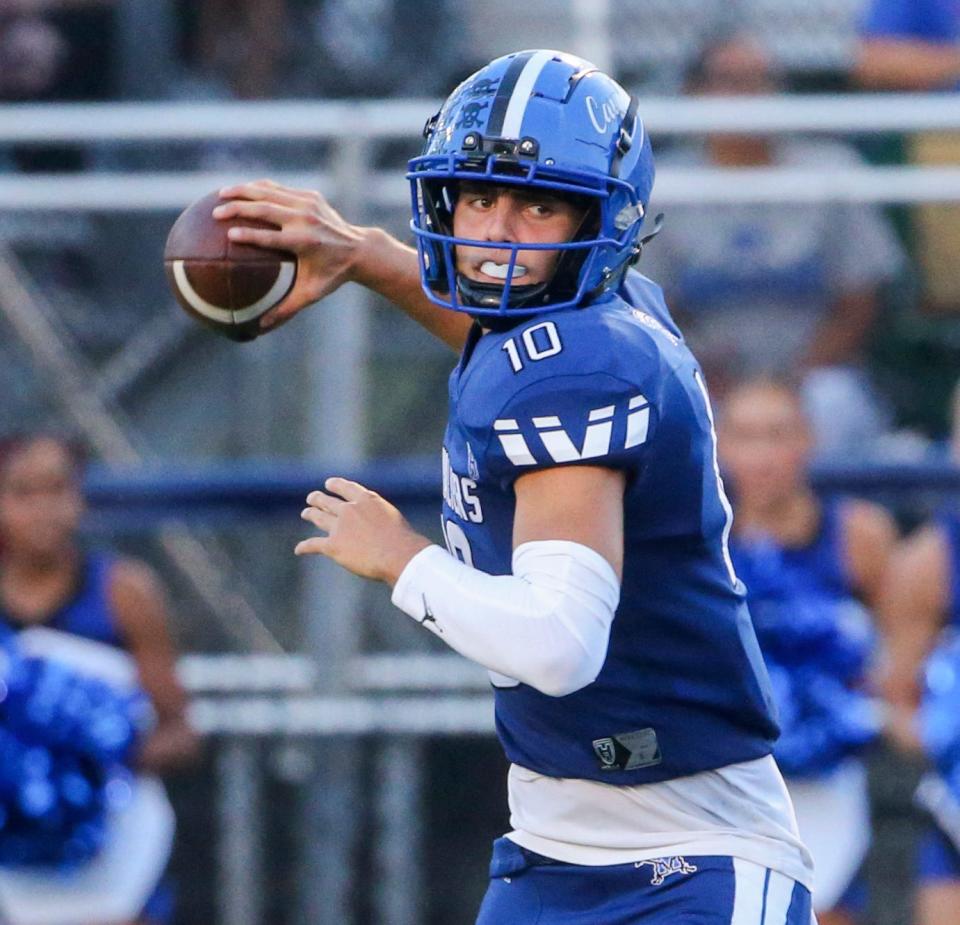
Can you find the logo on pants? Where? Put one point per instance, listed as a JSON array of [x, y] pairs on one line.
[[664, 867]]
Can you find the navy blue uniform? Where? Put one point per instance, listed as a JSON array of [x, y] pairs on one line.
[[527, 888], [89, 614], [683, 688], [817, 640]]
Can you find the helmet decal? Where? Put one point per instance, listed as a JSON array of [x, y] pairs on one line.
[[602, 113]]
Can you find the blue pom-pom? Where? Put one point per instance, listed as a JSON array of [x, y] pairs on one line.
[[817, 648], [64, 739], [940, 709]]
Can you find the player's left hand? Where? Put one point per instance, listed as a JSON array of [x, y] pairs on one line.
[[365, 533]]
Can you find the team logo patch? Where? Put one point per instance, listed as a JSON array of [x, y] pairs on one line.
[[606, 751], [486, 86], [664, 867], [628, 751], [470, 115]]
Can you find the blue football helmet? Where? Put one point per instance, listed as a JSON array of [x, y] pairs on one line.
[[541, 119]]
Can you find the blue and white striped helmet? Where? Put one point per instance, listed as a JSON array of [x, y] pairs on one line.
[[542, 119]]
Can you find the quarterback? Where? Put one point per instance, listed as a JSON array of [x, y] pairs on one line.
[[585, 521]]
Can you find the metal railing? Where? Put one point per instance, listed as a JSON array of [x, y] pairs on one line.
[[369, 120], [363, 125]]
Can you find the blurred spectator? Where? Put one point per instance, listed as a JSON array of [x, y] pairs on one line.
[[32, 52], [54, 51], [240, 44], [915, 45], [812, 568], [376, 48], [920, 596], [57, 49], [761, 288], [910, 45], [50, 580], [921, 599]]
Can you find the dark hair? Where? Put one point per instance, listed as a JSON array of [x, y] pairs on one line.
[[695, 72], [13, 444]]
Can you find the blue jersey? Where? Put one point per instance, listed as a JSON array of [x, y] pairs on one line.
[[88, 612], [800, 579], [950, 524], [817, 639], [821, 565], [683, 687]]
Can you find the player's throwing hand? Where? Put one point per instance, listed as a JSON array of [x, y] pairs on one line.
[[326, 245], [364, 533]]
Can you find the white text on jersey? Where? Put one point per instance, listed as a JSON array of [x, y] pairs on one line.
[[460, 493]]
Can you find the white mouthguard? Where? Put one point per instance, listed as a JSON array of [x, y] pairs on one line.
[[499, 270]]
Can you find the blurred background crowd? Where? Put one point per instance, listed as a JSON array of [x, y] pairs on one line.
[[829, 332]]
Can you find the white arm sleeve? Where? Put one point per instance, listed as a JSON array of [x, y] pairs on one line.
[[547, 624]]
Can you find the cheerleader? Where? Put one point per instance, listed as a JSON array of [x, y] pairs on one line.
[[104, 617]]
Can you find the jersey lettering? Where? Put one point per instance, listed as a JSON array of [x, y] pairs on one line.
[[457, 543], [460, 492], [557, 442]]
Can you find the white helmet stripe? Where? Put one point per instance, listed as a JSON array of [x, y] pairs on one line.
[[521, 93]]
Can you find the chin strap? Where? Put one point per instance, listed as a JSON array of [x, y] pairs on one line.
[[489, 295], [646, 239]]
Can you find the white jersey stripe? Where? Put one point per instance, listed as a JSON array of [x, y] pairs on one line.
[[779, 895], [749, 881], [521, 93]]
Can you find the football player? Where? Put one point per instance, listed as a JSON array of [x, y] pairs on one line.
[[585, 520]]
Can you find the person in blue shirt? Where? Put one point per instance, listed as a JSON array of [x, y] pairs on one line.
[[50, 581], [812, 566], [910, 45], [586, 525]]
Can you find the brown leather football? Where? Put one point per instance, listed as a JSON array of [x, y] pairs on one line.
[[225, 285]]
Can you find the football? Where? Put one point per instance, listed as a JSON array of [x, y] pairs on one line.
[[226, 285]]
